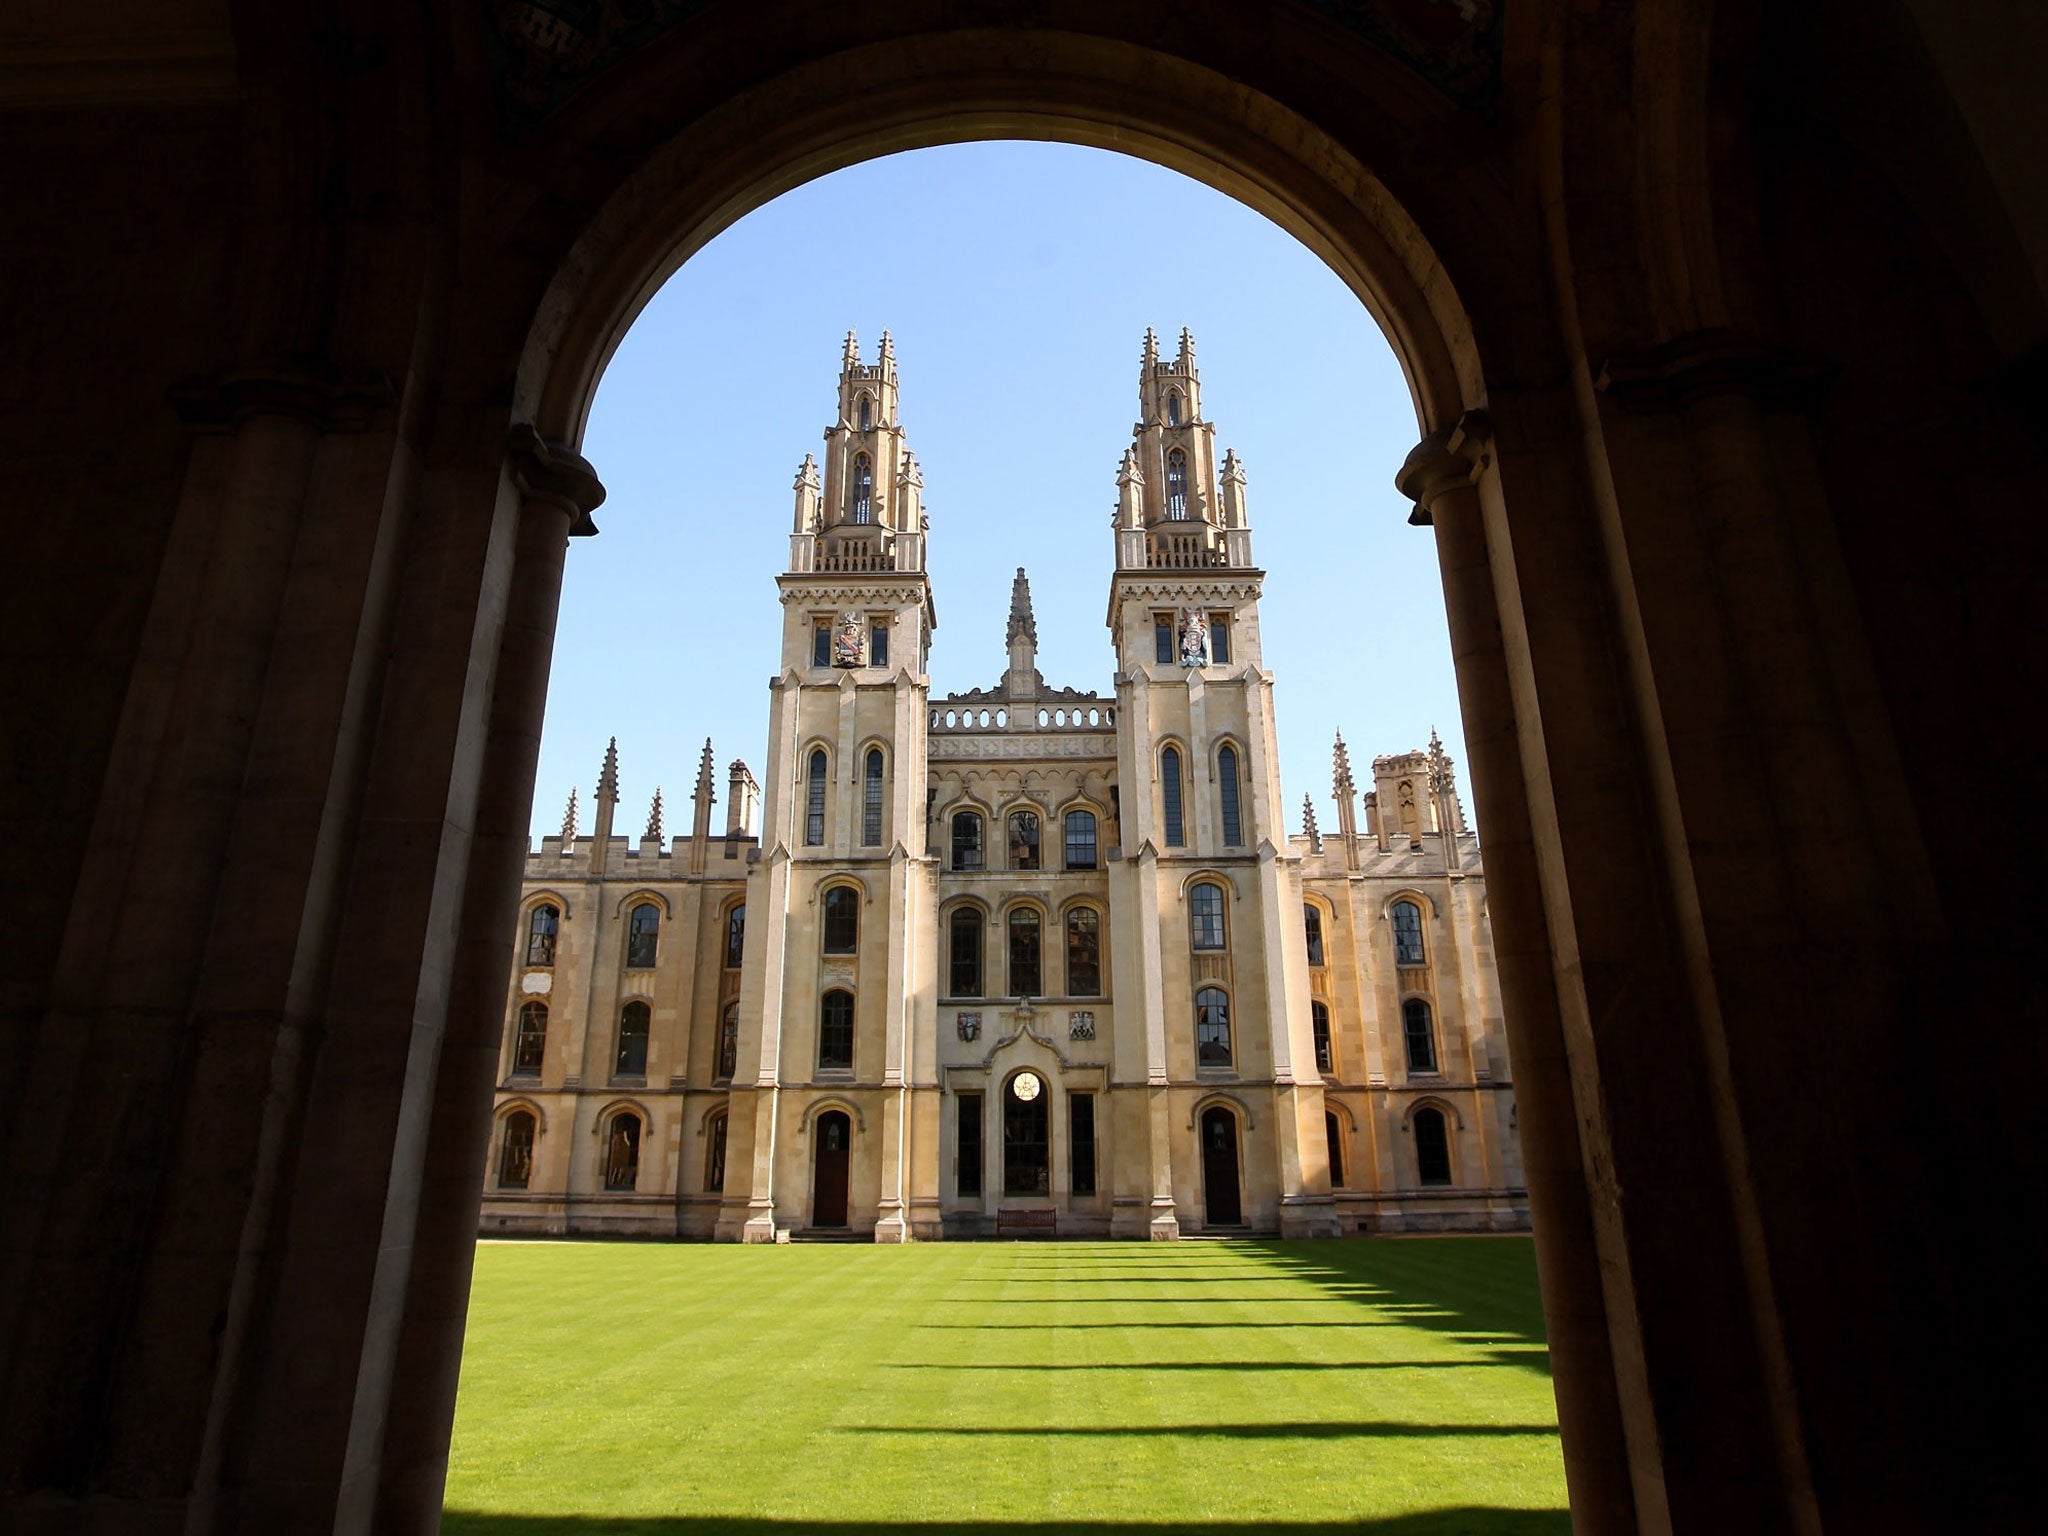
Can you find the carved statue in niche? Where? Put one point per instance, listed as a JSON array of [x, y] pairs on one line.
[[1194, 638], [849, 642]]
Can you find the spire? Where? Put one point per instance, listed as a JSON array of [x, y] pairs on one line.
[[654, 817], [1150, 357], [1187, 350], [1308, 824], [704, 769], [1340, 758], [1021, 621], [850, 360], [887, 360], [608, 775], [569, 819]]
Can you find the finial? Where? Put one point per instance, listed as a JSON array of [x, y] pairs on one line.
[[654, 816], [1308, 823], [807, 474], [1340, 758], [703, 770], [1128, 472], [888, 345], [1021, 621], [1151, 353], [851, 359], [569, 819], [1187, 345], [1233, 466], [608, 775]]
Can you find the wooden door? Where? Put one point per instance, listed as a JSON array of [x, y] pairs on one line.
[[828, 1187], [1219, 1169]]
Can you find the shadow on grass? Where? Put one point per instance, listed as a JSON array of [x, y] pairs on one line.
[[1435, 1522], [1308, 1429], [1283, 1367]]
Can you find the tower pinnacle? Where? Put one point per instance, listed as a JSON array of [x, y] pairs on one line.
[[569, 819], [608, 775], [654, 817], [1021, 621], [1340, 760], [1308, 824]]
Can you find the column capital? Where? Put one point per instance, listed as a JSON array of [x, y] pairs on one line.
[[1449, 457], [556, 474], [1676, 373]]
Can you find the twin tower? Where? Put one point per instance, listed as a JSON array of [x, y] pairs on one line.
[[1023, 956]]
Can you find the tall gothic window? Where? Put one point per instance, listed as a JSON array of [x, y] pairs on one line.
[[863, 489], [842, 920], [1212, 1028], [1312, 920], [643, 935], [631, 1060], [814, 801], [1421, 1037], [967, 840], [1319, 1022], [1205, 916], [1169, 794], [728, 1042], [1177, 486], [1084, 952], [1432, 1147], [867, 414], [540, 935], [1173, 408], [622, 1151], [1219, 639], [1081, 1143], [871, 801], [515, 1151], [835, 1031], [967, 1168], [1024, 952], [1080, 839], [735, 936], [878, 645], [965, 927], [1163, 648], [1407, 933], [1023, 840], [714, 1153], [821, 645], [530, 1045], [1226, 783], [1333, 1132]]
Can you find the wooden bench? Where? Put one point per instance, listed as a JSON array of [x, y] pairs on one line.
[[1012, 1223]]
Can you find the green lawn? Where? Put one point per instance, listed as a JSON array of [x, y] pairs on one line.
[[1396, 1387]]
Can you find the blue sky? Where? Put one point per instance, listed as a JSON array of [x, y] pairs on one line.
[[1018, 280]]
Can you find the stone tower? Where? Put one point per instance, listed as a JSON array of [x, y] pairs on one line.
[[1226, 995], [840, 904]]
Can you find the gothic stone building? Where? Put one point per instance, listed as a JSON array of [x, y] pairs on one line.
[[1023, 958]]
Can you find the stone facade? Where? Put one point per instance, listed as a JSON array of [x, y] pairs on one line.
[[1022, 955]]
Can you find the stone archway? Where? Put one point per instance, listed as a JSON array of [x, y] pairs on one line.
[[294, 724]]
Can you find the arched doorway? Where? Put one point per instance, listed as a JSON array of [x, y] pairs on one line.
[[831, 1161], [1027, 1135], [1222, 1205]]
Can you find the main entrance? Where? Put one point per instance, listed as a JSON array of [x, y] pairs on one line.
[[1220, 1204]]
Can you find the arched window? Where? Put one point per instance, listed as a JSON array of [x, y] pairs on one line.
[[1027, 1136], [643, 935], [965, 925], [1023, 840], [1084, 952], [1212, 1028], [967, 840], [1407, 933], [842, 920], [515, 1151], [871, 801], [530, 1045], [1169, 795], [1024, 950], [1319, 1021], [735, 936], [1177, 486], [1226, 784], [1205, 916], [1333, 1132], [631, 1060], [622, 1151], [714, 1153], [1312, 920], [540, 935], [835, 1031], [1421, 1037], [867, 414], [1080, 839], [1173, 408], [863, 489], [814, 801], [728, 1043], [1432, 1146]]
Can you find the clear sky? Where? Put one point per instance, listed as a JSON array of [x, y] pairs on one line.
[[1018, 280]]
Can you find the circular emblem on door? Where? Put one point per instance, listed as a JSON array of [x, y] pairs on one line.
[[1026, 1085]]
